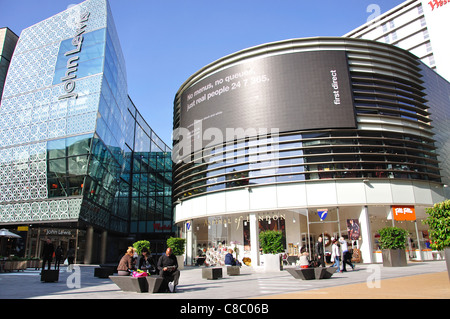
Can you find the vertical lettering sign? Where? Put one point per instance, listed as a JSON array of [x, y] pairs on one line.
[[72, 65], [404, 213]]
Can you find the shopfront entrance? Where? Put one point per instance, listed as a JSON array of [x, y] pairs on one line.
[[66, 238], [208, 238]]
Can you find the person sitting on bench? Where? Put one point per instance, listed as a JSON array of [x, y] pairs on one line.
[[229, 259], [168, 269]]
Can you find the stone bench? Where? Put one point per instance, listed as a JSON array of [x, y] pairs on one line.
[[49, 275], [103, 272], [312, 273], [150, 284], [233, 270], [211, 273]]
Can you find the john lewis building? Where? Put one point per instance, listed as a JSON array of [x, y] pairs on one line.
[[78, 163], [315, 136]]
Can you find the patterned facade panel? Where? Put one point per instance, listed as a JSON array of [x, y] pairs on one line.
[[66, 209], [62, 26], [33, 113]]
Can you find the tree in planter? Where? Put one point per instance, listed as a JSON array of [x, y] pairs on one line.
[[393, 238], [439, 222], [271, 242], [393, 243], [177, 245], [139, 245]]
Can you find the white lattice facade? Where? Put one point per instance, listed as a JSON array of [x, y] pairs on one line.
[[31, 114]]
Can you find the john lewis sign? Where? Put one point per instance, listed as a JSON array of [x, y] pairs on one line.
[[72, 65]]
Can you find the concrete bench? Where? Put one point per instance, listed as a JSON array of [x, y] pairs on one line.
[[312, 273], [103, 272], [211, 273], [233, 270], [49, 275], [150, 284]]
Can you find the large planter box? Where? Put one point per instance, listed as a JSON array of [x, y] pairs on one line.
[[34, 263], [272, 262], [447, 260], [180, 260], [11, 265], [394, 258]]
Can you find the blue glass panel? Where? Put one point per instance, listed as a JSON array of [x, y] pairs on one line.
[[90, 58]]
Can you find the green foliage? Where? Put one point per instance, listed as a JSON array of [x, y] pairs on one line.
[[139, 245], [177, 245], [393, 238], [271, 241], [439, 222]]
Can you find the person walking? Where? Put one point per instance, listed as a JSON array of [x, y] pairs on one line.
[[58, 256], [346, 256], [320, 256], [336, 254], [70, 258]]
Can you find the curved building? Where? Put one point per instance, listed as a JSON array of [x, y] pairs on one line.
[[314, 136]]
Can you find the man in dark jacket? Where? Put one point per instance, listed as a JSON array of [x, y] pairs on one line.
[[168, 269], [319, 252], [47, 253]]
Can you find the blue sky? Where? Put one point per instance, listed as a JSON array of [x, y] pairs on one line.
[[164, 42]]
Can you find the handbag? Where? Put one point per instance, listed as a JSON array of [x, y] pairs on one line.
[[137, 274]]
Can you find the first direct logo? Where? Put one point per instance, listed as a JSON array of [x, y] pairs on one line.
[[335, 86], [72, 64]]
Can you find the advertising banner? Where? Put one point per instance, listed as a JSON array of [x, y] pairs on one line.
[[296, 91]]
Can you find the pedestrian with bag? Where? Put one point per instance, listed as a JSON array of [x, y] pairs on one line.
[[47, 253], [346, 256]]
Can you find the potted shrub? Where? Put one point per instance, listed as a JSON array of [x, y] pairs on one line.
[[439, 222], [139, 245], [271, 243], [393, 243], [177, 245]]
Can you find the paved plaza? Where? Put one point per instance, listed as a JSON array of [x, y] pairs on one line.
[[417, 280]]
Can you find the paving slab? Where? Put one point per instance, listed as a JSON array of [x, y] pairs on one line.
[[251, 283]]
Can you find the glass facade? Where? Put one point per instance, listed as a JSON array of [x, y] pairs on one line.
[[73, 147], [8, 41]]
